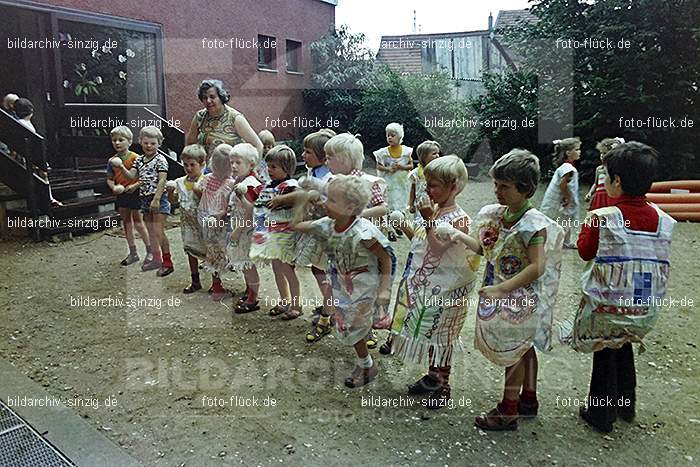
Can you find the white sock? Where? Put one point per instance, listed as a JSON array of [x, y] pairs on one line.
[[365, 362]]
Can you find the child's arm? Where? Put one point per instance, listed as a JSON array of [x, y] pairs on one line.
[[131, 173], [173, 193], [155, 203], [384, 295], [535, 253], [457, 236], [400, 221], [133, 187], [412, 198], [375, 211], [566, 194], [590, 192], [288, 199]]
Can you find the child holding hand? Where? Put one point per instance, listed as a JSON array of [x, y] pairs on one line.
[[522, 248], [273, 239], [345, 155], [361, 264], [309, 248]]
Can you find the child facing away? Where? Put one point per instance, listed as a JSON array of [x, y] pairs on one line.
[[310, 250], [597, 195], [214, 192], [151, 169], [268, 142], [627, 246], [432, 303], [345, 156], [393, 164], [244, 160], [127, 191], [360, 271], [273, 239], [561, 200], [522, 248], [182, 191]]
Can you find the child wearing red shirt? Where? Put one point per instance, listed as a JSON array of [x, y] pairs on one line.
[[628, 245]]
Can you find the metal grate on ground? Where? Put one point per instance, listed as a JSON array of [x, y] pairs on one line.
[[22, 446]]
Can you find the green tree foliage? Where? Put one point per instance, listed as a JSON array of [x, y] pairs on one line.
[[509, 100], [656, 72], [415, 101], [341, 70]]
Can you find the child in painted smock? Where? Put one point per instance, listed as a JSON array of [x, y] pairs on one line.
[[522, 248]]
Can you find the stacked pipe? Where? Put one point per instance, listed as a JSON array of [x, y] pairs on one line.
[[680, 199]]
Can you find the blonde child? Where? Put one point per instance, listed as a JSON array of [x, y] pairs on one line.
[[628, 247], [393, 163], [182, 191], [360, 270], [426, 152], [597, 195], [214, 191], [244, 160], [273, 239], [309, 248], [268, 141], [345, 156], [561, 200], [127, 192], [151, 169], [522, 248], [432, 304]]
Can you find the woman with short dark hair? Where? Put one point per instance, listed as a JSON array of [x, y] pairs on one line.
[[219, 123]]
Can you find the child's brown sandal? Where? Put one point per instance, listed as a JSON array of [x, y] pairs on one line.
[[292, 313]]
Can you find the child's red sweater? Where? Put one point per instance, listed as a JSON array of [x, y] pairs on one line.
[[637, 213]]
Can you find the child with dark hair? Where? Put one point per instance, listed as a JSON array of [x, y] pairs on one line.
[[273, 239], [627, 246]]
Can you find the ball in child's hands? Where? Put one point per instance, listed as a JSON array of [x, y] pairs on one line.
[[170, 184], [444, 231], [118, 189], [116, 162]]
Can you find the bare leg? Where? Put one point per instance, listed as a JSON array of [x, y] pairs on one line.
[[530, 367], [140, 228], [252, 282], [361, 349], [153, 236], [162, 238], [125, 214], [325, 288], [293, 281], [514, 381], [281, 281]]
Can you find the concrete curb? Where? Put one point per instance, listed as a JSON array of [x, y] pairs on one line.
[[79, 441]]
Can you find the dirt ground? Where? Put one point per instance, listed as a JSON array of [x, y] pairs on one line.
[[182, 368]]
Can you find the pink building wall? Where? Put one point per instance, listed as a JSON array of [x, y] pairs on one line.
[[261, 95]]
